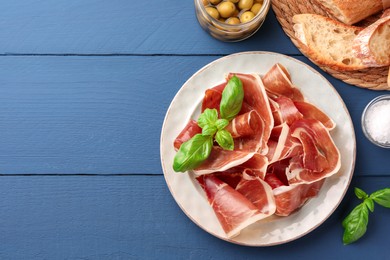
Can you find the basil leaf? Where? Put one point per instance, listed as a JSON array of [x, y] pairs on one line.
[[382, 197], [208, 117], [355, 224], [225, 140], [209, 130], [221, 123], [360, 193], [370, 204], [232, 97], [192, 153]]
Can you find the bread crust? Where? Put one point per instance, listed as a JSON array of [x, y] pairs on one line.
[[362, 43], [319, 56], [351, 11]]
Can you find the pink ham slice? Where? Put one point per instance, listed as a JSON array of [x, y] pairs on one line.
[[245, 124], [320, 158], [257, 165], [256, 97], [276, 114], [277, 82], [212, 97], [288, 111], [187, 133], [246, 129], [258, 192], [288, 199], [283, 144], [233, 209], [222, 160], [311, 111]]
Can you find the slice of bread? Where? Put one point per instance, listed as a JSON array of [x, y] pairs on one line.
[[351, 11], [372, 45], [327, 41]]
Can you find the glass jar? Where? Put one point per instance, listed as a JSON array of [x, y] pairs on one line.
[[376, 121], [230, 32]]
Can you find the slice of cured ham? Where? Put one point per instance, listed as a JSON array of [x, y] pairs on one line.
[[277, 81], [320, 158], [258, 192], [311, 111], [290, 198], [288, 111], [257, 165], [187, 133], [233, 209], [286, 146], [212, 97], [222, 160], [256, 97], [246, 129]]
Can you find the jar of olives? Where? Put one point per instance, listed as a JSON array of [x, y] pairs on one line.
[[231, 20]]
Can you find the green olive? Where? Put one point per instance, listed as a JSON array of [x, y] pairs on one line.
[[233, 20], [246, 16], [212, 12], [245, 4], [215, 2], [226, 9], [205, 2], [256, 8], [233, 1]]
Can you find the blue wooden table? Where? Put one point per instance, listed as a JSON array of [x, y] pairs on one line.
[[84, 87]]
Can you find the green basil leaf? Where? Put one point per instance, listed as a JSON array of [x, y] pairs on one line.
[[370, 204], [225, 140], [232, 97], [382, 197], [360, 194], [355, 224], [192, 153], [209, 130], [208, 117], [221, 123]]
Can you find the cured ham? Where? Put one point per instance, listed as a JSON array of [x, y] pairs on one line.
[[277, 81], [212, 97], [289, 113], [245, 125], [257, 165], [283, 152], [256, 97], [290, 198], [222, 160], [238, 208], [310, 111], [286, 145], [246, 130], [187, 133], [320, 158]]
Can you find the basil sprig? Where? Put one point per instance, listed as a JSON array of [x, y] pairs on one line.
[[355, 224], [195, 151]]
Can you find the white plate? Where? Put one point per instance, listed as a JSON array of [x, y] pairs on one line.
[[317, 90]]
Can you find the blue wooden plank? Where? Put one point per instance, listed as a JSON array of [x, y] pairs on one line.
[[104, 114], [120, 27], [135, 217]]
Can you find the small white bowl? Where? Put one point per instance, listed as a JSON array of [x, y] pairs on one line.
[[368, 127]]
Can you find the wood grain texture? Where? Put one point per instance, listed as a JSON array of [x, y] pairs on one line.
[[135, 217], [120, 27], [93, 115]]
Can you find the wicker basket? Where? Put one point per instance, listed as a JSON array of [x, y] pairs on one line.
[[371, 78]]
